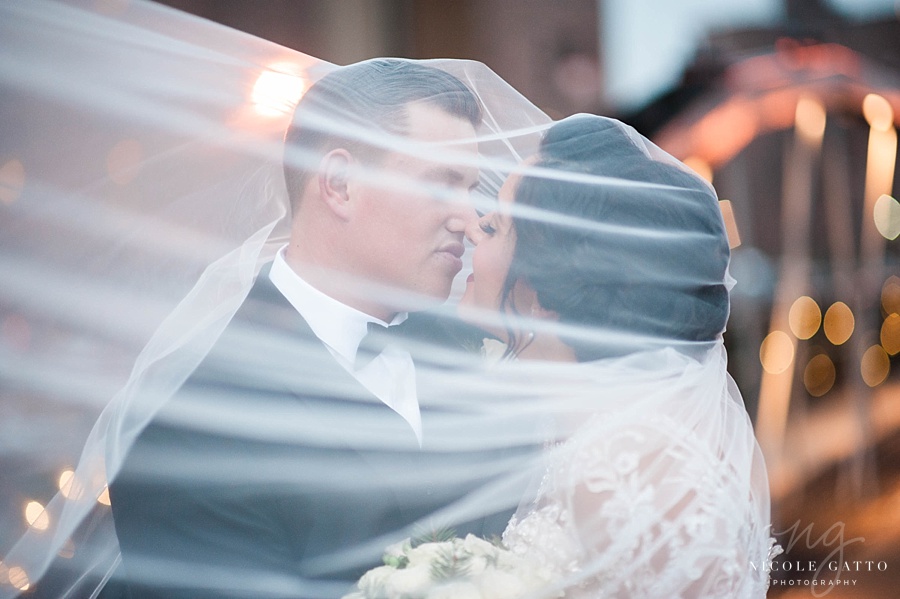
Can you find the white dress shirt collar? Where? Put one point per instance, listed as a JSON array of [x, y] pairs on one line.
[[390, 376], [337, 325]]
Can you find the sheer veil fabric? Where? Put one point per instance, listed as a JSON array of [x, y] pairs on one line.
[[143, 192]]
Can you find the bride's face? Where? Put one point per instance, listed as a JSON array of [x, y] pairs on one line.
[[494, 238]]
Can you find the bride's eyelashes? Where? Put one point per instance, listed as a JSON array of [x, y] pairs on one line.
[[486, 227]]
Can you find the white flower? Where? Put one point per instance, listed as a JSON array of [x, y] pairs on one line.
[[374, 580], [409, 581], [478, 546], [458, 589], [497, 584]]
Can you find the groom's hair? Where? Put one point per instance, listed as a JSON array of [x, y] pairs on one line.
[[645, 259], [353, 107]]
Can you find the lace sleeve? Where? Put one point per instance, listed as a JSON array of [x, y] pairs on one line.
[[660, 511]]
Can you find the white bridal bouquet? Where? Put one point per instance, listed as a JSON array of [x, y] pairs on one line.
[[469, 568]]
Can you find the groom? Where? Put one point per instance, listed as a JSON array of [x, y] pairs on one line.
[[298, 449]]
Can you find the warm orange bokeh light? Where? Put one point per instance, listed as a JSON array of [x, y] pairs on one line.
[[819, 375], [699, 166], [875, 366], [804, 317], [65, 482], [890, 295], [19, 578], [731, 228], [104, 497], [810, 120], [878, 112], [776, 352], [278, 89], [67, 551], [839, 323], [36, 516], [890, 334]]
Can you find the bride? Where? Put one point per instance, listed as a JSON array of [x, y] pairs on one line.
[[607, 262]]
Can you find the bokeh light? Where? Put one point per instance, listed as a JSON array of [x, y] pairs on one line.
[[36, 516], [875, 366], [839, 323], [731, 228], [67, 551], [887, 216], [804, 317], [12, 181], [104, 497], [819, 375], [67, 485], [278, 89], [890, 295], [699, 166], [878, 112], [890, 334], [810, 119], [776, 352], [19, 578]]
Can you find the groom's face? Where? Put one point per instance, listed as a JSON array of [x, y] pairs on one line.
[[412, 219]]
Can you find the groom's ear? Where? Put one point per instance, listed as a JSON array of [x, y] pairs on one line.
[[334, 188]]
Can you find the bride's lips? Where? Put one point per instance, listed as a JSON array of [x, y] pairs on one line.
[[470, 278], [453, 253]]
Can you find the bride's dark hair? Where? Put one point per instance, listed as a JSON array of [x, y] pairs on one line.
[[640, 265]]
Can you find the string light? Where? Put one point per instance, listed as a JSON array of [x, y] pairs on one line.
[[839, 323], [804, 317]]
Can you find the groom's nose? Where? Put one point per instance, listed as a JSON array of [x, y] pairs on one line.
[[474, 232], [462, 217]]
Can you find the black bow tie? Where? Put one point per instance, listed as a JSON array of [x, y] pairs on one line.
[[376, 339]]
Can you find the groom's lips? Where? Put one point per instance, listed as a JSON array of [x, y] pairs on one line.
[[453, 252]]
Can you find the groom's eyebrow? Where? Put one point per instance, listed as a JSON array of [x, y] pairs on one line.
[[451, 176]]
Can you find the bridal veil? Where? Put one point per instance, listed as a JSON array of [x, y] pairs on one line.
[[141, 192]]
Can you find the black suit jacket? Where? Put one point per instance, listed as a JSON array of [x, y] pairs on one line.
[[274, 473]]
